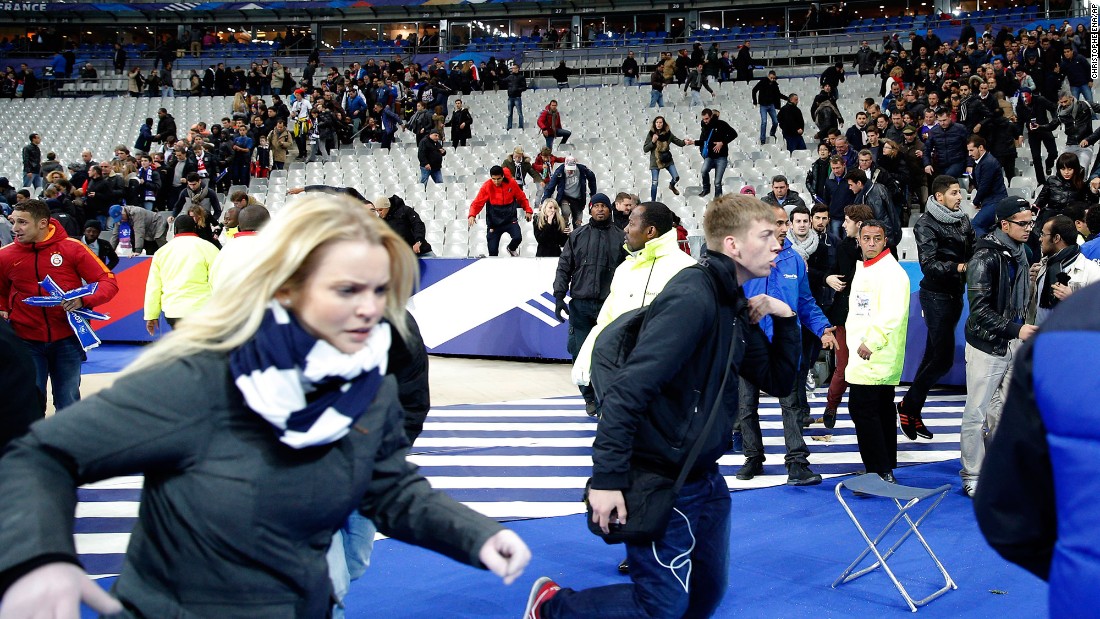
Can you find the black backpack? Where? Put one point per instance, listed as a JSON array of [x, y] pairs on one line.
[[615, 343]]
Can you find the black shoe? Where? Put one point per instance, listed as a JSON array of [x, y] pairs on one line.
[[799, 474], [590, 408], [624, 567], [704, 192], [829, 419], [751, 468], [907, 425], [921, 429], [888, 478]]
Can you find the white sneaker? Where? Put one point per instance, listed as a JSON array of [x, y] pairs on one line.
[[970, 487]]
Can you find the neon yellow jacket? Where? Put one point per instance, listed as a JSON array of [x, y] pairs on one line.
[[179, 277], [637, 281], [878, 316]]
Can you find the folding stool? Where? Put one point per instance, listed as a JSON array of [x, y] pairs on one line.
[[872, 485]]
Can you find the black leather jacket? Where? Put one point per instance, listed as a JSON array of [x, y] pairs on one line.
[[588, 260], [988, 287], [940, 250], [1058, 192]]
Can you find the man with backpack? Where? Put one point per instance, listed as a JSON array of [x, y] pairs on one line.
[[653, 258], [694, 340]]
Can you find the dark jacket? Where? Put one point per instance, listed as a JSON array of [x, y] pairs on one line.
[[816, 178], [941, 248], [837, 195], [408, 362], [989, 288], [791, 120], [556, 187], [848, 256], [459, 117], [656, 409], [32, 159], [259, 549], [1036, 511], [103, 193], [866, 59], [550, 238], [1041, 110], [630, 67], [105, 252], [166, 127], [588, 260], [989, 178], [1077, 119], [430, 152], [515, 84], [766, 92], [717, 130], [1057, 192], [943, 147], [406, 222], [877, 197]]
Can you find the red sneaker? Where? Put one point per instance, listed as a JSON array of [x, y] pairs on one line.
[[541, 592]]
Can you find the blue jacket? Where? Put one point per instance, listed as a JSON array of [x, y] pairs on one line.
[[58, 66], [1039, 510], [946, 147], [390, 120], [837, 196], [989, 178], [357, 104], [556, 187], [790, 283], [1091, 248]]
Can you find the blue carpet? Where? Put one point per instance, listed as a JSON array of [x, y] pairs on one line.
[[787, 546], [107, 358]]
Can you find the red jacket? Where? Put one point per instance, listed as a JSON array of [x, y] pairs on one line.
[[549, 121], [507, 194], [69, 262]]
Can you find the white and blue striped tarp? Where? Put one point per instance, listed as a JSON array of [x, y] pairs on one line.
[[530, 459]]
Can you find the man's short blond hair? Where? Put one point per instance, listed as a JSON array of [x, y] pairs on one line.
[[732, 215]]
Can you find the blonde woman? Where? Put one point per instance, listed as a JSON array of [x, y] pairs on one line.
[[261, 423], [551, 231], [241, 104]]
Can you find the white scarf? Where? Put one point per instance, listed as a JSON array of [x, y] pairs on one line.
[[804, 248]]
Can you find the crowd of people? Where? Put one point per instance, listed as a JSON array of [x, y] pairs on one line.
[[322, 289]]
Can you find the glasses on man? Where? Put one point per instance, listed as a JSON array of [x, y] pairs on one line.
[[1023, 224]]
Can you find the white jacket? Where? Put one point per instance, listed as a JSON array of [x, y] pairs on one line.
[[1082, 272]]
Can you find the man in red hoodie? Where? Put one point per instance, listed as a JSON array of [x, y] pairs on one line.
[[43, 248], [503, 196]]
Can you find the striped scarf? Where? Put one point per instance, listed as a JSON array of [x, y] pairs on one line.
[[310, 392]]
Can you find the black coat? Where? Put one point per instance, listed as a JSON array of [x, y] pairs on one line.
[[941, 248], [550, 238], [430, 152], [165, 127], [989, 288], [406, 222], [717, 130], [457, 118], [588, 261], [847, 257], [651, 414], [791, 120]]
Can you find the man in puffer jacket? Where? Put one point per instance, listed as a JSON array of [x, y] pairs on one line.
[[502, 196], [42, 248]]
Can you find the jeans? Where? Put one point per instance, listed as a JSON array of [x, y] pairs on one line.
[[32, 180], [836, 231], [1084, 90], [630, 81], [349, 556], [987, 380], [572, 209], [655, 173], [516, 103], [811, 350], [748, 418], [560, 133], [767, 111], [435, 175], [656, 97], [494, 234], [60, 362], [837, 384], [685, 574], [941, 315], [696, 97], [582, 317], [796, 143], [167, 91], [718, 164], [872, 410], [955, 169]]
